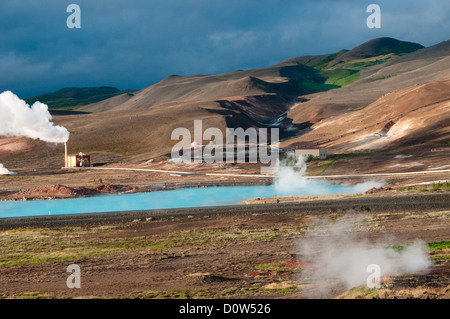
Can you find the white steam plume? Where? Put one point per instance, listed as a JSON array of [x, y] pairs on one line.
[[335, 258], [17, 118], [290, 179], [4, 171]]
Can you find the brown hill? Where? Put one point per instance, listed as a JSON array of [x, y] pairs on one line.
[[282, 80], [412, 115], [71, 97], [137, 126], [419, 67], [377, 47], [372, 48]]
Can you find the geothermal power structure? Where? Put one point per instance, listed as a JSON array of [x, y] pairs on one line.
[[80, 160]]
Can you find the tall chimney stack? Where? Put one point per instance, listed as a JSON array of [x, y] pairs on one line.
[[65, 155]]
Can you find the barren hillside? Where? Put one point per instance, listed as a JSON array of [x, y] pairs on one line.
[[317, 97], [419, 67], [397, 118]]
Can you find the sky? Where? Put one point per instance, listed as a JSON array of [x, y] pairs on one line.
[[133, 44]]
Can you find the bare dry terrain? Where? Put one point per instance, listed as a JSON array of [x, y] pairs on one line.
[[200, 254]]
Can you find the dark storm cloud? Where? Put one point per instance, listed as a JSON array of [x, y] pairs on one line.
[[132, 44]]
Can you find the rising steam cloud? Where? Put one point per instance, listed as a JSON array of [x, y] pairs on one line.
[[4, 171], [290, 179], [17, 118], [334, 256]]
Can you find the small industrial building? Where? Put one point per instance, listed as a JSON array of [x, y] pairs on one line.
[[320, 152], [80, 160]]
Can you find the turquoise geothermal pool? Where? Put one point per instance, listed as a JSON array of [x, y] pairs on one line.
[[180, 198]]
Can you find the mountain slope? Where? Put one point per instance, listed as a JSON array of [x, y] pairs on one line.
[[72, 97], [301, 96], [286, 81], [414, 114], [289, 79], [256, 97], [419, 67], [377, 47], [265, 97]]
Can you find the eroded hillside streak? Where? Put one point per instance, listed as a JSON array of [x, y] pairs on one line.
[[377, 123]]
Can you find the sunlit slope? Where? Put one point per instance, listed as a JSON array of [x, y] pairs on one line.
[[411, 115]]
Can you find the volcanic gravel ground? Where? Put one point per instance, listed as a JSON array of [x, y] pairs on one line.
[[238, 252]]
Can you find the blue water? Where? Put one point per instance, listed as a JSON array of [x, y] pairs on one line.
[[180, 198]]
